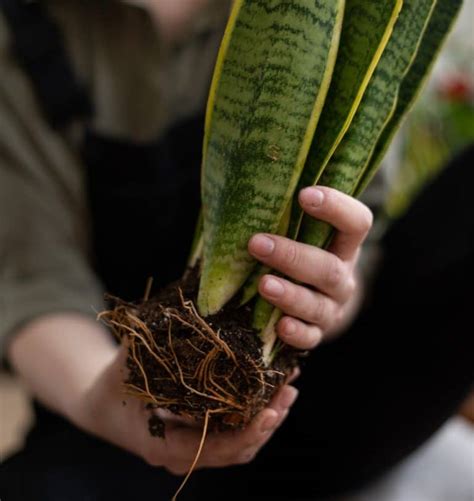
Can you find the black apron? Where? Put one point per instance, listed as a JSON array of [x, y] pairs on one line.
[[144, 202]]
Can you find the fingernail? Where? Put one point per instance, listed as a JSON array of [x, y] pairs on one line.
[[262, 246], [273, 287], [289, 397], [312, 196], [268, 424]]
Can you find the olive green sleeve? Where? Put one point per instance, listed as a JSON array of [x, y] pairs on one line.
[[44, 265]]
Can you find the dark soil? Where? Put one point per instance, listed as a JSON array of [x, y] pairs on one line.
[[189, 366]]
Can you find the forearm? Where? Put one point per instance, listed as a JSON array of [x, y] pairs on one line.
[[73, 367], [59, 357]]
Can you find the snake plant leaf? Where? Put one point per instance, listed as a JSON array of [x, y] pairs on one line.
[[271, 79], [366, 31], [440, 24], [351, 158], [249, 290]]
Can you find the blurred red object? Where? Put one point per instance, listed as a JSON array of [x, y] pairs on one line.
[[456, 87]]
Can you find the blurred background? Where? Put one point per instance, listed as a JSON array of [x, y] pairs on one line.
[[442, 121]]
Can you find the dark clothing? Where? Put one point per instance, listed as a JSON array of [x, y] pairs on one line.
[[101, 66], [367, 400], [143, 218]]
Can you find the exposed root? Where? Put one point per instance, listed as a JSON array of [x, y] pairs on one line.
[[211, 370], [149, 285], [201, 368], [198, 455]]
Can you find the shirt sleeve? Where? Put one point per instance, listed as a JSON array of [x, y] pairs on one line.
[[44, 234]]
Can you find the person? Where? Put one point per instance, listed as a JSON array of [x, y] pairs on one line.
[[99, 167]]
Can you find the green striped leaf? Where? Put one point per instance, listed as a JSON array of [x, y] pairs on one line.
[[351, 158], [366, 31], [270, 83], [251, 286], [440, 23]]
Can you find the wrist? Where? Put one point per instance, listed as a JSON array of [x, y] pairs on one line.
[[59, 356]]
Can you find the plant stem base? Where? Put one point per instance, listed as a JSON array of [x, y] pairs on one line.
[[189, 365]]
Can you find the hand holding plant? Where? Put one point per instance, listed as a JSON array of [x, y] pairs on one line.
[[326, 295], [105, 412], [303, 94]]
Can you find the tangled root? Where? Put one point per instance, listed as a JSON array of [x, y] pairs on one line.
[[192, 366]]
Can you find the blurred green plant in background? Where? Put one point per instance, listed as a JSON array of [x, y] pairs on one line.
[[441, 123]]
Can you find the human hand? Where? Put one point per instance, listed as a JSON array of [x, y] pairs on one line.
[[329, 294], [106, 412]]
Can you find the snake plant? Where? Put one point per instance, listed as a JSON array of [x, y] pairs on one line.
[[303, 93]]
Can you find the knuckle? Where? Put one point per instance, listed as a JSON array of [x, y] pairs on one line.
[[246, 457], [351, 286], [366, 220], [335, 272], [177, 469], [284, 323], [248, 444], [152, 457], [290, 297], [348, 291], [221, 460], [336, 318], [313, 338], [320, 311], [291, 254]]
